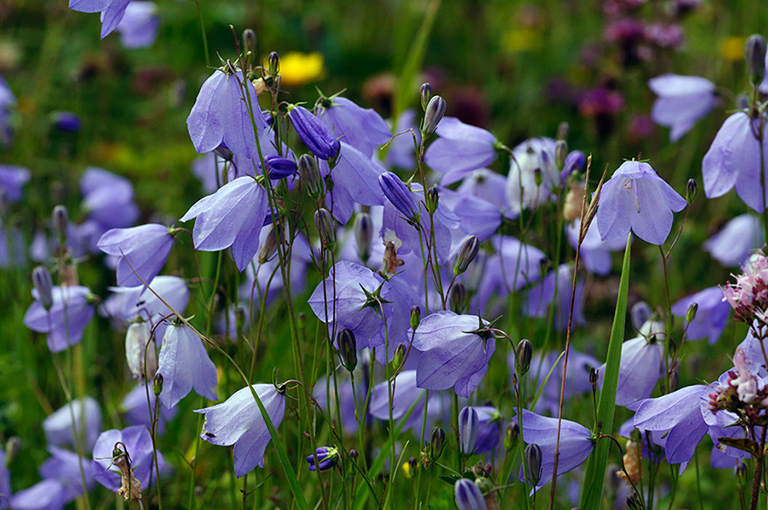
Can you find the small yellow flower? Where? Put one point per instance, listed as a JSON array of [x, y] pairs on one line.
[[301, 68], [733, 48]]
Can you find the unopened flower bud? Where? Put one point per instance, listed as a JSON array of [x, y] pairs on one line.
[[511, 435], [691, 313], [157, 385], [249, 40], [426, 95], [433, 199], [363, 235], [60, 221], [533, 464], [562, 131], [484, 484], [310, 176], [399, 356], [537, 176], [280, 168], [691, 188], [468, 495], [12, 449], [324, 224], [140, 351], [469, 427], [269, 248], [436, 443], [594, 376], [347, 348], [466, 255], [399, 195], [742, 475], [561, 152], [433, 115], [523, 355], [273, 64], [353, 454], [641, 312], [43, 283], [458, 297], [742, 101], [754, 52], [413, 464], [415, 317]]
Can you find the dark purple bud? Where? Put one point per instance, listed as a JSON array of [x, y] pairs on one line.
[[426, 95], [561, 152], [691, 189], [310, 176], [347, 349], [280, 168], [466, 255], [60, 222], [742, 101], [324, 224], [436, 443], [511, 435], [413, 464], [523, 356], [433, 115], [415, 317], [754, 52], [43, 283], [249, 40], [315, 135], [469, 427], [458, 297], [363, 235], [157, 384], [273, 64], [433, 199], [533, 464], [399, 195], [468, 496], [641, 312], [353, 454], [326, 458], [575, 161], [66, 121]]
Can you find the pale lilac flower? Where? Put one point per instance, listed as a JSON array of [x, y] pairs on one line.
[[401, 151], [12, 180], [405, 393], [733, 244], [489, 421], [112, 11], [532, 157], [363, 129], [556, 290], [65, 322], [136, 408], [711, 317], [637, 198], [682, 101], [137, 442], [64, 467], [355, 181], [460, 149], [239, 422], [58, 426], [595, 253], [139, 26], [108, 199], [48, 494], [145, 247], [184, 364]]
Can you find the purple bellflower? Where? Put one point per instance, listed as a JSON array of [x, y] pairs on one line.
[[137, 442], [740, 237], [487, 185], [231, 217], [354, 180], [112, 12], [478, 216], [733, 159], [489, 422], [405, 393], [12, 180], [534, 156], [184, 364], [326, 458], [595, 253], [363, 129], [555, 290], [468, 495], [399, 195], [576, 444], [145, 247], [136, 409], [129, 302], [64, 466], [66, 320], [139, 26], [401, 153], [49, 494], [238, 421], [221, 115], [460, 149], [711, 317], [456, 350], [682, 101], [7, 102], [108, 199], [469, 427], [637, 198], [58, 426], [513, 266], [315, 135]]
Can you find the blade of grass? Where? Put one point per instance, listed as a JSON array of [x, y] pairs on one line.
[[593, 479]]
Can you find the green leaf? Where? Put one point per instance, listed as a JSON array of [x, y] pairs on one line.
[[593, 479]]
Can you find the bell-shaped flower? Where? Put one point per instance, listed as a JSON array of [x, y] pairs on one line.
[[363, 129], [231, 217], [112, 12], [739, 238], [490, 423], [65, 322], [733, 159], [576, 444], [139, 26], [478, 216], [141, 351], [555, 290], [145, 247], [238, 421], [355, 181], [87, 418], [485, 184], [404, 393], [637, 198], [682, 101], [12, 180], [401, 151], [136, 408], [221, 114], [460, 149], [456, 350], [184, 364], [64, 467], [532, 161], [711, 316], [595, 253], [108, 198], [137, 443], [48, 494]]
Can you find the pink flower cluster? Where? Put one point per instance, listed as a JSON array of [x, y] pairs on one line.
[[749, 295], [741, 388]]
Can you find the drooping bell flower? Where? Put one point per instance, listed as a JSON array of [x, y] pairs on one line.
[[48, 494], [112, 12], [7, 102], [456, 350], [87, 417], [460, 149], [733, 159], [65, 322], [145, 248], [108, 201], [533, 176], [682, 101], [405, 393], [221, 114], [315, 135], [354, 180], [238, 421], [740, 237], [136, 407], [711, 316], [64, 467], [231, 217], [478, 216], [137, 443], [363, 129], [637, 198], [140, 24], [184, 365]]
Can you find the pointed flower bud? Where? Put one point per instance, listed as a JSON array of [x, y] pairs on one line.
[[399, 356], [691, 313], [511, 435], [399, 195], [249, 40], [12, 449], [561, 152], [436, 443], [426, 95], [562, 131], [363, 235], [524, 353], [60, 221], [347, 349], [458, 297], [469, 427], [468, 495], [533, 464], [415, 317], [432, 200], [466, 255], [157, 384], [324, 224], [269, 248], [314, 133], [280, 168], [310, 176], [273, 64], [433, 115], [754, 52], [691, 188], [43, 283]]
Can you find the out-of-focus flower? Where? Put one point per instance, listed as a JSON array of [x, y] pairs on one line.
[[139, 26], [7, 102], [12, 180], [711, 317], [48, 494], [732, 48], [5, 481], [87, 417], [468, 495], [733, 244], [142, 251], [460, 149], [64, 467], [67, 122], [66, 320], [595, 253], [137, 443], [301, 68], [136, 408], [637, 198], [238, 421], [555, 290]]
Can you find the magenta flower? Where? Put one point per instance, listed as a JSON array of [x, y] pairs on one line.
[[637, 198], [682, 101], [145, 247]]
